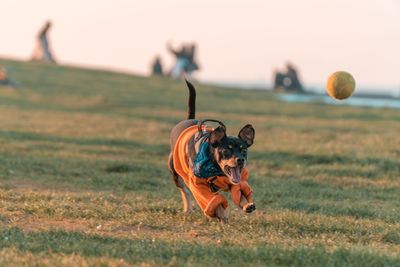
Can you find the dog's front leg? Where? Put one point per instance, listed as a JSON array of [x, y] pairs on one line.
[[242, 196], [247, 195]]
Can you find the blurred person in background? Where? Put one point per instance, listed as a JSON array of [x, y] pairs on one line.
[[5, 80], [191, 64], [42, 50], [156, 67], [180, 60], [288, 81], [185, 60]]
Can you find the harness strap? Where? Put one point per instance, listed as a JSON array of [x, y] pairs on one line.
[[213, 187], [201, 127], [198, 143], [203, 166]]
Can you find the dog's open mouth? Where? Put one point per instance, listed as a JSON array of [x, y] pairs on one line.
[[234, 173]]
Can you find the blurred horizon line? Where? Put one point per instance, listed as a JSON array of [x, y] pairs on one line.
[[247, 84]]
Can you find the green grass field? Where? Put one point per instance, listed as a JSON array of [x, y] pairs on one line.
[[83, 177]]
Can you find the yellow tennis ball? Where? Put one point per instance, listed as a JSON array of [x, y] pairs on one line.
[[340, 85]]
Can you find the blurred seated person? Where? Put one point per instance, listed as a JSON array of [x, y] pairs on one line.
[[288, 81], [156, 67], [5, 80]]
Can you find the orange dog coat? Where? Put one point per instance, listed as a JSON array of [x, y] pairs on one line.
[[207, 200]]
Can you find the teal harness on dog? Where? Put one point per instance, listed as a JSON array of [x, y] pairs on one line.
[[203, 165]]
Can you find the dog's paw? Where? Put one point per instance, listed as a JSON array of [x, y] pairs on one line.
[[249, 207], [223, 219]]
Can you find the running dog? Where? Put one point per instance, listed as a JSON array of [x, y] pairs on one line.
[[203, 161]]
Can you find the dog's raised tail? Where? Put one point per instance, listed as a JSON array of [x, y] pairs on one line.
[[192, 101]]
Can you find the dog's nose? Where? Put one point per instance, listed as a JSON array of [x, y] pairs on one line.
[[240, 161]]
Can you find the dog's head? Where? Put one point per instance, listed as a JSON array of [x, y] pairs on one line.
[[229, 152]]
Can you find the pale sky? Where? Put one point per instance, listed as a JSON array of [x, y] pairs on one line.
[[237, 40]]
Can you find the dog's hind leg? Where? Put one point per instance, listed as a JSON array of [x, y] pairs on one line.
[[185, 192], [220, 214], [186, 198]]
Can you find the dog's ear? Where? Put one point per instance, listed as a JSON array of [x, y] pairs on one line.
[[217, 135], [247, 134]]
